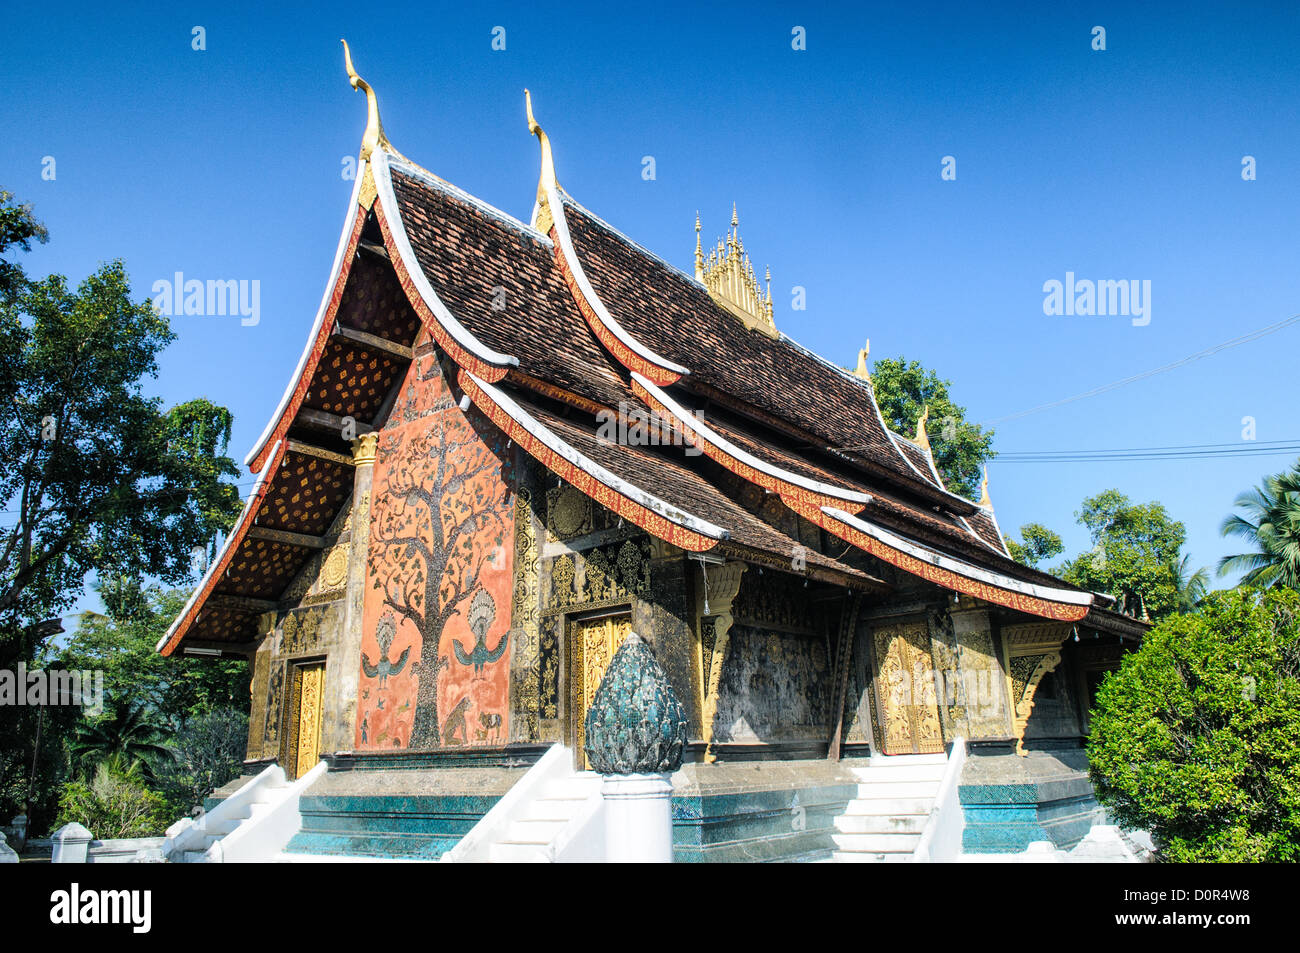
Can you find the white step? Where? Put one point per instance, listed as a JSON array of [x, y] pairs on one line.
[[516, 852], [552, 808], [863, 857], [899, 843], [535, 830], [890, 805], [890, 760], [579, 786], [881, 823], [902, 772], [902, 789]]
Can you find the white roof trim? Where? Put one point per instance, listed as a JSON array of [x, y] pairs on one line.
[[384, 187], [589, 293], [348, 224], [701, 429], [958, 566], [235, 533], [594, 469]]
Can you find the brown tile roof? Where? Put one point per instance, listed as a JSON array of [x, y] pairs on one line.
[[675, 317]]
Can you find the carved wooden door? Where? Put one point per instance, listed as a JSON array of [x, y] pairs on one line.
[[596, 641], [905, 690], [306, 710]]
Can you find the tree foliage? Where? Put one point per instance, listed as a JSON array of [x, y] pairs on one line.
[[1197, 737], [98, 476], [1271, 524], [1036, 544], [122, 644], [115, 802], [903, 390], [209, 752], [1136, 555]]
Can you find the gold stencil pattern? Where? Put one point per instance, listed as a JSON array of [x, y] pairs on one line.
[[905, 681]]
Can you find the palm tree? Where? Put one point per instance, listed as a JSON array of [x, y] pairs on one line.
[[1272, 524], [125, 735], [1189, 587]]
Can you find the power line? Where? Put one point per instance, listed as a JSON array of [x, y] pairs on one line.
[[1209, 351], [1201, 451]]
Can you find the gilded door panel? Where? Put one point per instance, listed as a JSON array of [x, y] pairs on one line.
[[904, 679], [304, 750], [596, 641]]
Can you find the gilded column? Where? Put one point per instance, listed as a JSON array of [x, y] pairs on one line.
[[341, 692]]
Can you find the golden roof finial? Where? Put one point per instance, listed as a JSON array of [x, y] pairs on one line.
[[922, 439], [984, 491], [728, 273], [699, 250], [863, 370], [546, 179], [373, 137]]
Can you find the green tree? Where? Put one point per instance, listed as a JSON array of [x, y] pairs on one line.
[[126, 733], [209, 752], [1197, 737], [1135, 557], [98, 476], [1036, 543], [122, 644], [903, 390], [1272, 525]]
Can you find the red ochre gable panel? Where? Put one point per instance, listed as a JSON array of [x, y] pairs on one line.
[[435, 649]]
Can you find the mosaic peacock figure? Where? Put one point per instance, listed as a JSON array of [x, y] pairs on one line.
[[384, 633], [482, 613]]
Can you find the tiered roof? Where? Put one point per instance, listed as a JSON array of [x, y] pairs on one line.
[[593, 322]]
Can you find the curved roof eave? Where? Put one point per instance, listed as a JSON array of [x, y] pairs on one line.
[[697, 534]]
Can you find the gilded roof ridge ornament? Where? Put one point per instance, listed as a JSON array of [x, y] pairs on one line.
[[922, 439], [728, 274], [985, 502], [374, 137], [863, 370], [546, 178]]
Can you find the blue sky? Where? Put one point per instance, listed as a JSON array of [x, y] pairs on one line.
[[1117, 164]]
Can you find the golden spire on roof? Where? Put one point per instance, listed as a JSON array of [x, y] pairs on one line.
[[729, 276], [374, 135], [546, 179], [699, 251], [984, 491], [863, 370], [922, 439]]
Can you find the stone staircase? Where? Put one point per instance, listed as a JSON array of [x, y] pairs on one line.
[[884, 823], [538, 835], [553, 814], [252, 824]]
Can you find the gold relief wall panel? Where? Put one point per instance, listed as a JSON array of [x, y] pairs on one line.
[[905, 689]]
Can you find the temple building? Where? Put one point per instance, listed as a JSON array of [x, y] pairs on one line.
[[508, 444]]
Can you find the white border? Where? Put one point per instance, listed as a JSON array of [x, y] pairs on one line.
[[594, 469], [961, 568], [702, 430]]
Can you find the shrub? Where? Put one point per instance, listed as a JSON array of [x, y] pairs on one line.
[[115, 803], [1197, 737]]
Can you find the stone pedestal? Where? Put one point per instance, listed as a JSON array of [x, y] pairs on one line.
[[638, 818], [71, 844], [7, 854]]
